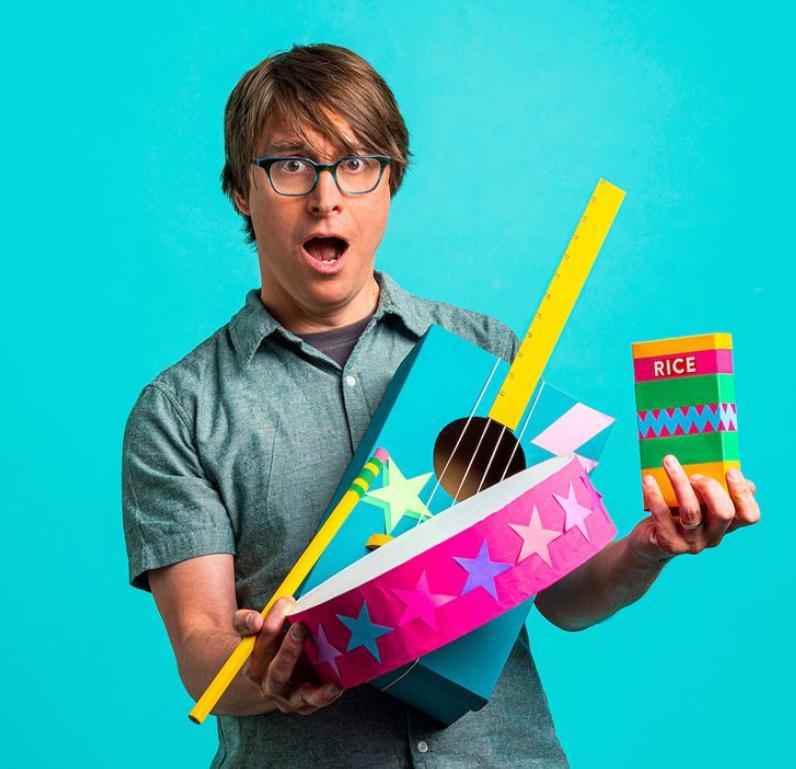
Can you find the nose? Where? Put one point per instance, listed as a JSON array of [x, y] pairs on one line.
[[326, 197]]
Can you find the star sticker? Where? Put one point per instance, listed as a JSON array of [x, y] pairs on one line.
[[364, 632], [535, 538], [399, 496], [327, 652], [595, 498], [481, 571], [421, 602], [575, 512]]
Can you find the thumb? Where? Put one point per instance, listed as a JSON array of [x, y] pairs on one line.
[[247, 622]]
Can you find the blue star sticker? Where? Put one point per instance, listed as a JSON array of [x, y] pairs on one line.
[[481, 571], [364, 632]]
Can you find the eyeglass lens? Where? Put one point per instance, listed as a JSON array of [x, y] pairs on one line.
[[294, 176]]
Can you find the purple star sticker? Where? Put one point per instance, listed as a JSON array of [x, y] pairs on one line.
[[327, 652], [481, 571]]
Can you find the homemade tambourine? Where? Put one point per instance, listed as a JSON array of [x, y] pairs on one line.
[[454, 572]]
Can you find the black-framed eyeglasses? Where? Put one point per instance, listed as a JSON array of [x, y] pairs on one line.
[[295, 176]]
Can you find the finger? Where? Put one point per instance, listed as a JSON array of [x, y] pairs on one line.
[[312, 697], [667, 534], [247, 621], [719, 509], [687, 501], [749, 482], [280, 671], [295, 701], [308, 698], [747, 511], [268, 640]]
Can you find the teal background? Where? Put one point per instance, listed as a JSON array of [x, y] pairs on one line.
[[121, 254]]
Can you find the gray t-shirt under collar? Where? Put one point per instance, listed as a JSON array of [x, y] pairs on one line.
[[337, 343]]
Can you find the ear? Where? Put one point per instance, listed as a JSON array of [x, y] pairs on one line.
[[241, 203]]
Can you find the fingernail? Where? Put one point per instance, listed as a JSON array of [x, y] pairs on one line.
[[734, 474], [333, 690], [670, 461], [649, 480], [697, 477], [251, 621], [298, 631]]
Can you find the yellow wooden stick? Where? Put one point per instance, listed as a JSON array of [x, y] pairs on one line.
[[556, 305], [291, 583]]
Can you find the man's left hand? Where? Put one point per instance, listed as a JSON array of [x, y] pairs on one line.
[[706, 513]]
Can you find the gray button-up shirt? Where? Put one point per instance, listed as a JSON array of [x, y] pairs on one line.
[[238, 448]]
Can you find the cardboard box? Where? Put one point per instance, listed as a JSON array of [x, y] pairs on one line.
[[685, 401]]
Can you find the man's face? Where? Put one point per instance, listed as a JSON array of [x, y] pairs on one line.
[[296, 281]]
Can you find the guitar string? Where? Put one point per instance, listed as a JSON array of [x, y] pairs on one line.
[[461, 436], [522, 432], [405, 673], [526, 422], [497, 444], [472, 459], [492, 459]]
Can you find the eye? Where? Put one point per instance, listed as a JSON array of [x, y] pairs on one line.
[[292, 166], [354, 164]]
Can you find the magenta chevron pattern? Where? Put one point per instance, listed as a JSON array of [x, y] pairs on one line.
[[687, 420]]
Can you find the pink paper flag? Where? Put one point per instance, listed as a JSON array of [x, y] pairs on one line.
[[571, 430]]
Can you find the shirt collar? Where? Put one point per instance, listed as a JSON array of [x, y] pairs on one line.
[[253, 322]]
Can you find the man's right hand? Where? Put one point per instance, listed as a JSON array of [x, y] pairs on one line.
[[276, 665]]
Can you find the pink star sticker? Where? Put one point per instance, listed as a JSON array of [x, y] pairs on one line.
[[421, 602], [575, 512], [535, 538], [327, 652]]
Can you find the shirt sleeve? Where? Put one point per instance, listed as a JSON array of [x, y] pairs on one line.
[[513, 346], [171, 511]]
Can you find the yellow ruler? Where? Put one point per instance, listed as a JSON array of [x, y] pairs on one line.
[[557, 303]]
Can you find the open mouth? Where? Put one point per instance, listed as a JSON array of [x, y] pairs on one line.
[[325, 250]]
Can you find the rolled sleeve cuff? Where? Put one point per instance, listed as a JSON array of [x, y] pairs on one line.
[[176, 548]]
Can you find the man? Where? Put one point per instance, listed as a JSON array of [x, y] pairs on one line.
[[232, 454]]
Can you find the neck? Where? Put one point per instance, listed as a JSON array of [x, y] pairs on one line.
[[299, 318]]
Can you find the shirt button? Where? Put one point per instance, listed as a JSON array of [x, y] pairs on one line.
[[350, 380], [422, 746]]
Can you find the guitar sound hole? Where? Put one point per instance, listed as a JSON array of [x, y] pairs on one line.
[[487, 433]]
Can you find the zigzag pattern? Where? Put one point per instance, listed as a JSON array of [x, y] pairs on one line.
[[687, 420]]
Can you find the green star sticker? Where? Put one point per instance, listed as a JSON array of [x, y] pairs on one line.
[[399, 496]]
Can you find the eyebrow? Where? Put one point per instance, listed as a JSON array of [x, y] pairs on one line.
[[286, 144], [293, 145]]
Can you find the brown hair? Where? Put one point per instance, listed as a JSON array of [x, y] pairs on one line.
[[301, 86]]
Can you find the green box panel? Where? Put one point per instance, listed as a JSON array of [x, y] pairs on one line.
[[689, 449], [685, 391]]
